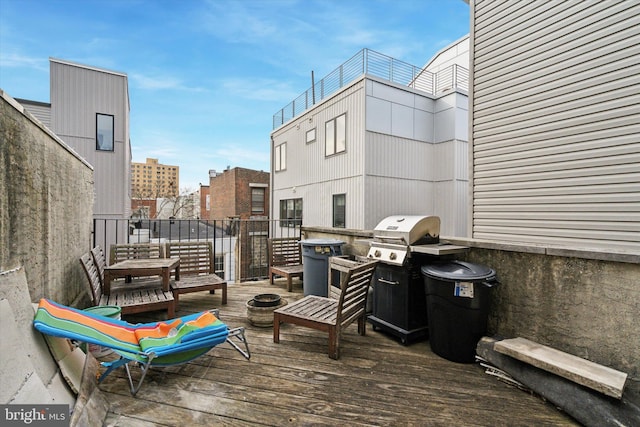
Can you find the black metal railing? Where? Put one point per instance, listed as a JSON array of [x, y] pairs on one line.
[[239, 246]]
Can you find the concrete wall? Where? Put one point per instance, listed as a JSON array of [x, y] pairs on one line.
[[585, 307], [45, 206], [585, 303]]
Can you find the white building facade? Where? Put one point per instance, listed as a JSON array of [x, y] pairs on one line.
[[376, 148]]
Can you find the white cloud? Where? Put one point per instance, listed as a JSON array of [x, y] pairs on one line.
[[161, 83], [16, 60], [260, 89]]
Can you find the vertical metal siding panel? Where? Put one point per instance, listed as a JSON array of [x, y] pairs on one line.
[[77, 94], [382, 173], [317, 177], [556, 120]]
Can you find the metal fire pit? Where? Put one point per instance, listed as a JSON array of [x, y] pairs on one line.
[[261, 307], [266, 300]]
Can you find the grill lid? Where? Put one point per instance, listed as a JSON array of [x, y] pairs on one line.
[[408, 229]]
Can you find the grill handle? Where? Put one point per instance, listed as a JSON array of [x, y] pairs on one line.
[[389, 238], [387, 282]]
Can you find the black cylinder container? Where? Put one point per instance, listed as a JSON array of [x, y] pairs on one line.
[[458, 301]]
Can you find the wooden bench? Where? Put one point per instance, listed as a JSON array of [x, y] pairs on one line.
[[197, 271], [285, 259], [122, 251], [329, 314], [136, 297]]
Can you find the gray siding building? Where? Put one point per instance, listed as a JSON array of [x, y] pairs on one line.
[[555, 89], [89, 111]]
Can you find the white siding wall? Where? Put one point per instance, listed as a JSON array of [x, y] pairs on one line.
[[77, 94], [315, 177], [406, 154], [556, 122]]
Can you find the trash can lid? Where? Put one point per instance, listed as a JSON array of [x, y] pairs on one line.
[[458, 270], [321, 242]]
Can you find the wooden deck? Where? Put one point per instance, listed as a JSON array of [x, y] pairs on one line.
[[376, 381]]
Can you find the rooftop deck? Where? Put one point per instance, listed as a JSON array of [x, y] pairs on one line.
[[376, 381]]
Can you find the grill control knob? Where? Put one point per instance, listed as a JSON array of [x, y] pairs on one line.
[[393, 256], [377, 254]]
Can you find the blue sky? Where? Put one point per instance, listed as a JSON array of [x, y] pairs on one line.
[[206, 77]]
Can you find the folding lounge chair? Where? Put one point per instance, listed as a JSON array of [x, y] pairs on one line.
[[164, 343]]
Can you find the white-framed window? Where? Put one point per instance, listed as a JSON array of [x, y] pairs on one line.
[[335, 135], [218, 265], [311, 136], [280, 157], [104, 132]]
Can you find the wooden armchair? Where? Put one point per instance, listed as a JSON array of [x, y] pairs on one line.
[[329, 314], [121, 251], [285, 259], [197, 272]]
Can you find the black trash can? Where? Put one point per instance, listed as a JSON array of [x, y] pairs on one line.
[[315, 264], [458, 300]]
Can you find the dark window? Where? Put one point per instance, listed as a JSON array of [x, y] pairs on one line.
[[104, 132], [257, 200], [339, 201], [291, 213]]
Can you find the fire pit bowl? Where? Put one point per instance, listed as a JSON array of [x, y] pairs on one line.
[[266, 300], [261, 315]]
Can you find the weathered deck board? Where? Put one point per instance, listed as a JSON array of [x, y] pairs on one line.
[[376, 381]]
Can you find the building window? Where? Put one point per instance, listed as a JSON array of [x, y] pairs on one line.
[[218, 265], [311, 135], [280, 157], [339, 201], [104, 132], [257, 200], [291, 213], [335, 135]]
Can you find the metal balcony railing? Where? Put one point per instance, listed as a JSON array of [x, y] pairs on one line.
[[378, 65], [239, 246]]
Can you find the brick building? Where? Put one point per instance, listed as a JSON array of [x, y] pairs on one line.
[[239, 193], [205, 201], [243, 194]]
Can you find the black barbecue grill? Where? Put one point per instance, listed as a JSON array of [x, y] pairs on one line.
[[402, 244]]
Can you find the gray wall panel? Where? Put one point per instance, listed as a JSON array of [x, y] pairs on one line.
[[78, 92], [556, 119]]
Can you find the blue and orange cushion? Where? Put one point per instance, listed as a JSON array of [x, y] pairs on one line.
[[172, 342]]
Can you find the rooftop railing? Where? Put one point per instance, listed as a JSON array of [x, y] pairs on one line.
[[378, 65], [239, 245]]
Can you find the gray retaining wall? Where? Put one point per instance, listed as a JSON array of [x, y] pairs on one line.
[[46, 206]]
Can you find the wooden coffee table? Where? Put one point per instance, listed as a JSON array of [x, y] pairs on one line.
[[142, 267]]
